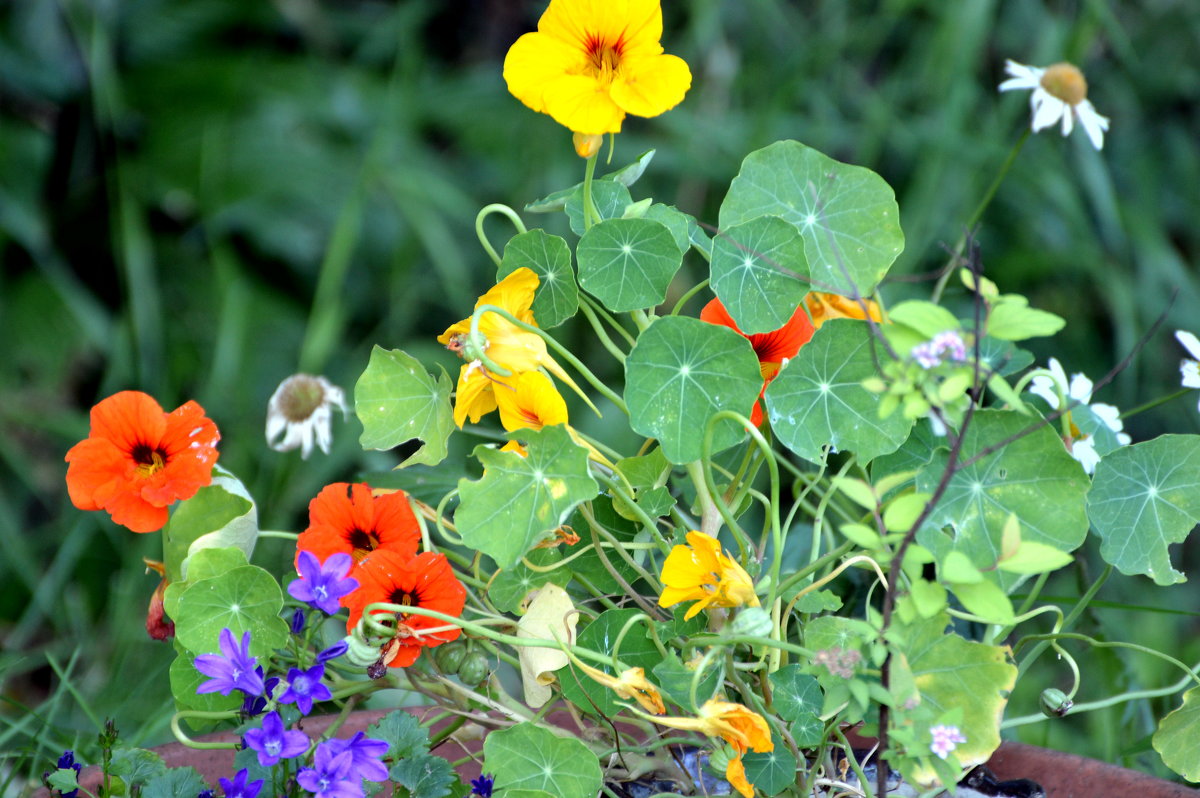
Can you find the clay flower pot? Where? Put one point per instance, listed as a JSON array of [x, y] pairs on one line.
[[1060, 774]]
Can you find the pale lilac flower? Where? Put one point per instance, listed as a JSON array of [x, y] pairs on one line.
[[301, 410], [1059, 93], [365, 755], [945, 740], [934, 351], [233, 671], [238, 788], [330, 776], [305, 687], [322, 584], [272, 743], [1189, 370]]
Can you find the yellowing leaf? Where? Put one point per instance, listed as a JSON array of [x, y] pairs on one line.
[[551, 616]]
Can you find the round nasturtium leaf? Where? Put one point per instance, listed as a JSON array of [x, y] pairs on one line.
[[519, 501], [760, 273], [847, 214], [681, 372], [1031, 475], [397, 401], [1176, 737], [818, 399], [528, 757], [1144, 498], [557, 296], [245, 598], [609, 197], [218, 515], [628, 263]]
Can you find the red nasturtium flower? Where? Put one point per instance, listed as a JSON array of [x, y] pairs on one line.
[[772, 348], [349, 518], [426, 580], [137, 459]]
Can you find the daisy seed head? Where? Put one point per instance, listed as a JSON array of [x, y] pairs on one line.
[[300, 396], [1065, 82]]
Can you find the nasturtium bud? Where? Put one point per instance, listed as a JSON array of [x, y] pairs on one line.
[[449, 658], [474, 668], [1054, 703]]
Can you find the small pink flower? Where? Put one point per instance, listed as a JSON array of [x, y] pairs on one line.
[[945, 739]]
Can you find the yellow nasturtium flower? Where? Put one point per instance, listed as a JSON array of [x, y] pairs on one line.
[[593, 61], [508, 346], [631, 684], [700, 572], [823, 307], [736, 725]]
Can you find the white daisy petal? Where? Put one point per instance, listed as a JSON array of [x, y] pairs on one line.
[[1110, 415], [1047, 110], [1044, 387], [1081, 389], [1190, 342], [1084, 450], [1189, 371], [1093, 124]]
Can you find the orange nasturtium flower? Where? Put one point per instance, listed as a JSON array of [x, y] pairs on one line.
[[506, 344], [348, 518], [593, 61], [138, 459], [736, 725], [822, 307], [425, 580], [700, 572], [631, 684], [771, 348]]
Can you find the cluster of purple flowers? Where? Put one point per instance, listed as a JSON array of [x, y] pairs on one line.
[[339, 767], [935, 350]]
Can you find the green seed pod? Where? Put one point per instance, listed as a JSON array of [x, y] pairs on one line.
[[1054, 703], [449, 658], [474, 668]]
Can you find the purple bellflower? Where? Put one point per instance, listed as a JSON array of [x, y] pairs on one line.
[[482, 786], [273, 743], [330, 775], [333, 652], [305, 687], [67, 760], [365, 753], [235, 670], [253, 705], [238, 788], [322, 584]]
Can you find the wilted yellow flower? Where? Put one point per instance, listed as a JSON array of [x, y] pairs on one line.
[[822, 307], [700, 572], [736, 725], [631, 684], [593, 61]]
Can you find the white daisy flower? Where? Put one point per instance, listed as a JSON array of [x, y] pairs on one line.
[[301, 410], [1189, 370], [1102, 416], [1059, 92]]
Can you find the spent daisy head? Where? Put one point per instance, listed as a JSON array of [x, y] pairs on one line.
[[1059, 93], [301, 411]]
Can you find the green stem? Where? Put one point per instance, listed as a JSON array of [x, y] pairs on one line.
[[1162, 400], [683, 300], [988, 195], [602, 313], [1076, 611], [486, 211], [590, 216], [182, 737], [1091, 641], [601, 334]]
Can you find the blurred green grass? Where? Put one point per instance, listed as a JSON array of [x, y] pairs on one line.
[[179, 181]]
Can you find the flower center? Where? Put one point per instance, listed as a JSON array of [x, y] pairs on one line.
[[604, 58], [149, 461], [362, 542], [1065, 82], [301, 397]]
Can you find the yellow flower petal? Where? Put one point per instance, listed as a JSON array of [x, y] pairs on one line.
[[735, 774], [583, 105], [473, 397], [651, 85], [822, 307], [534, 61], [529, 401]]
